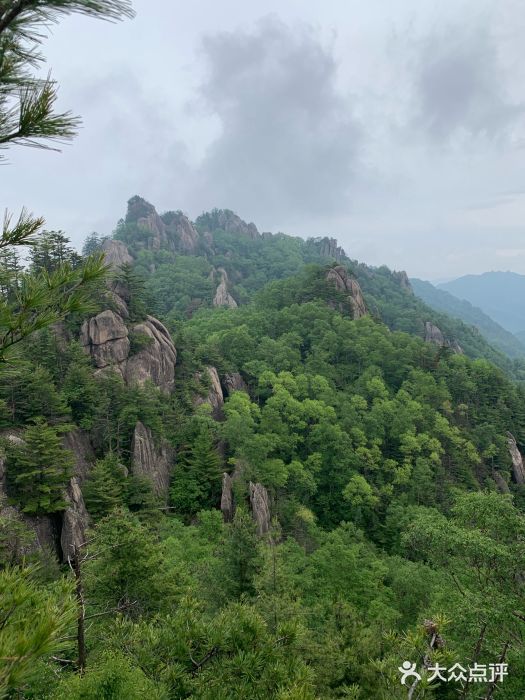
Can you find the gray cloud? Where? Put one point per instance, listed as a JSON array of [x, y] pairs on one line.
[[461, 85], [400, 135], [288, 141]]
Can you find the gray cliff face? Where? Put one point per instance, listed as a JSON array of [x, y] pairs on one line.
[[233, 382], [171, 231], [434, 335], [518, 469], [78, 442], [229, 221], [116, 254], [150, 460], [180, 234], [75, 521], [215, 397], [222, 296], [327, 248], [258, 497], [403, 280], [106, 338], [260, 505], [227, 505], [155, 362], [343, 282]]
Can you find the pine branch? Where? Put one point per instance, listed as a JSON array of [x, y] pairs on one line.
[[13, 14], [23, 232]]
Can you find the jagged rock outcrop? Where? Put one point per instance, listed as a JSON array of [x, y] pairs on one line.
[[518, 469], [327, 248], [434, 335], [116, 254], [80, 445], [171, 231], [138, 208], [456, 347], [227, 220], [105, 338], [214, 397], [260, 506], [151, 460], [258, 498], [156, 361], [344, 283], [75, 521], [116, 301], [403, 280], [227, 505], [233, 382], [222, 296], [180, 234]]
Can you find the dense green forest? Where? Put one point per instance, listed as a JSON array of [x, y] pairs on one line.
[[239, 465], [288, 498]]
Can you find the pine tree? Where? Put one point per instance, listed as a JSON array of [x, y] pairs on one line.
[[104, 487], [135, 288], [10, 272], [93, 243], [38, 470], [52, 250], [28, 118], [196, 484]]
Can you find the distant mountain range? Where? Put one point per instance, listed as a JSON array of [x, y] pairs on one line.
[[499, 337], [499, 294]]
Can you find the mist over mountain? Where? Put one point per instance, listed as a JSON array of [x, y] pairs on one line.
[[495, 334], [498, 294]]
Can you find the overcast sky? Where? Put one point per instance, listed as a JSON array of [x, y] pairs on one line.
[[397, 127]]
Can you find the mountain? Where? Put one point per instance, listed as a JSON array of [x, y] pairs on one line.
[[461, 309], [221, 260], [255, 468], [498, 294]]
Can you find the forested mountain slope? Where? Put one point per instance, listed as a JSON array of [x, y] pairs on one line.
[[499, 294], [188, 265], [461, 309], [281, 479]]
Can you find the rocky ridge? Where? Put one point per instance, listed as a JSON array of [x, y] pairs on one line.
[[345, 283], [222, 296]]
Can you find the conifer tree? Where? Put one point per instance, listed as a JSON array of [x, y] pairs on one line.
[[28, 118], [50, 251], [135, 290], [38, 470], [104, 487], [196, 483]]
